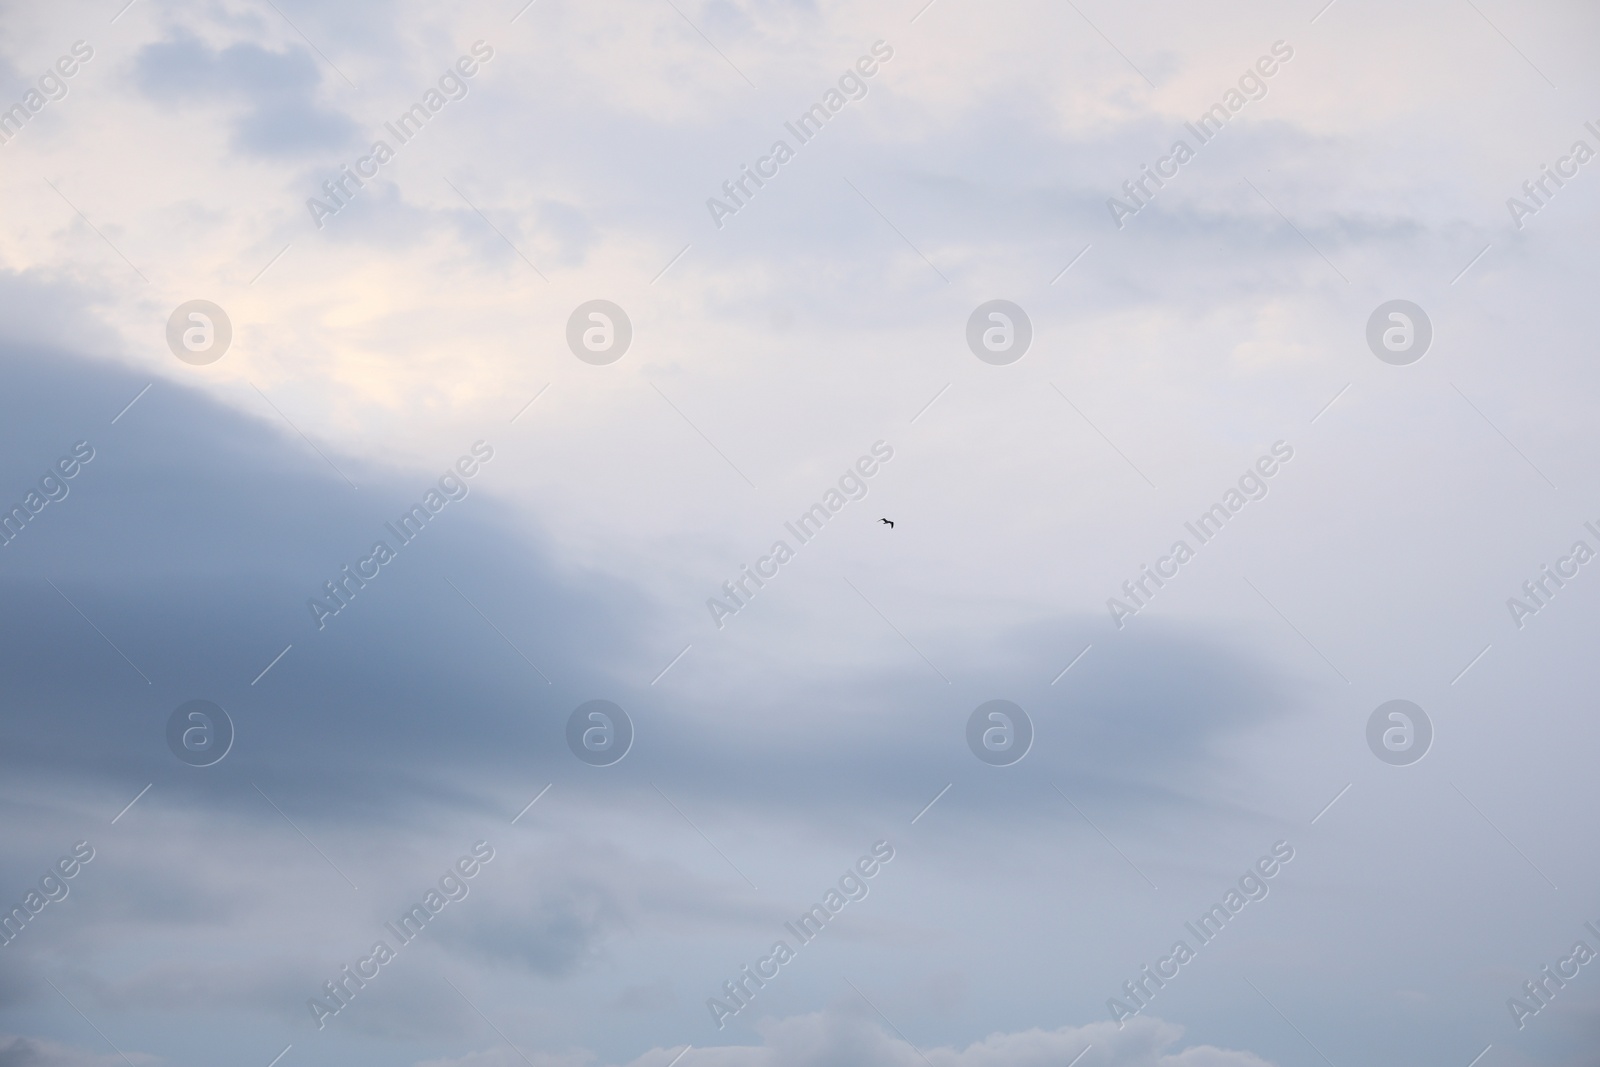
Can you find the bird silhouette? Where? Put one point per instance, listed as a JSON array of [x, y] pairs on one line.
[[886, 521]]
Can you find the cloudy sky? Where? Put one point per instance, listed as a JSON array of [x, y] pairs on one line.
[[277, 277]]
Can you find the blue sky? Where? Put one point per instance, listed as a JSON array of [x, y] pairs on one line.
[[1225, 321]]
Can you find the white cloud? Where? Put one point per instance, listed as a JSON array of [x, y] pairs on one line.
[[836, 1038]]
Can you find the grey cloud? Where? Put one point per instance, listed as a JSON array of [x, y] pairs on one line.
[[19, 1051], [851, 1037], [855, 1038], [1119, 730], [172, 986], [551, 234], [269, 530], [39, 315], [193, 541], [197, 535], [655, 996], [282, 115], [409, 1001], [550, 933]]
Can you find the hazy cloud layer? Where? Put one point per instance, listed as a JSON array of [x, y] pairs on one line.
[[391, 333]]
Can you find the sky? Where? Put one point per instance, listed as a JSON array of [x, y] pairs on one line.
[[994, 589]]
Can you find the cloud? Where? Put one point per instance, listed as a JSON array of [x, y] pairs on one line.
[[849, 1038], [813, 724], [16, 1051], [231, 591], [389, 738], [550, 933], [504, 1057], [281, 115], [646, 997], [854, 1039]]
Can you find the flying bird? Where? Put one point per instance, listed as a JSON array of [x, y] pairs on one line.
[[890, 524]]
